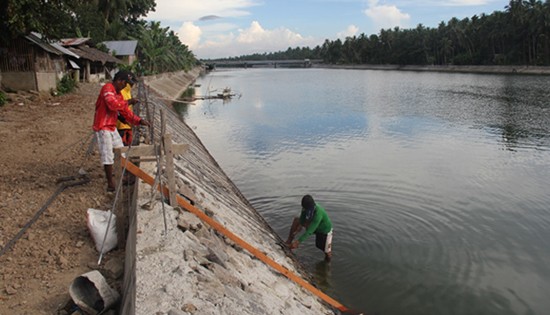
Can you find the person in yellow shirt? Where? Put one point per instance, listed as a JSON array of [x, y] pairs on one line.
[[125, 129]]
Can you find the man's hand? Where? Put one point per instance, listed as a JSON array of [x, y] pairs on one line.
[[133, 101], [144, 122], [294, 244]]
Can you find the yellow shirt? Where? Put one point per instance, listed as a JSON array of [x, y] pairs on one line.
[[126, 93]]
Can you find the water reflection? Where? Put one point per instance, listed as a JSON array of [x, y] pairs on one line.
[[437, 184]]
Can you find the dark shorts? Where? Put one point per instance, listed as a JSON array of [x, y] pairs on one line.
[[126, 136], [324, 241]]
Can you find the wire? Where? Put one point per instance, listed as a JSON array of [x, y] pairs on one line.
[[64, 185]]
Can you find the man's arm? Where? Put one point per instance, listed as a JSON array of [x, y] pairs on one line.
[[313, 225], [115, 103]]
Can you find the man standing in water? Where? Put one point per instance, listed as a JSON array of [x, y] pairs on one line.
[[109, 103], [315, 220]]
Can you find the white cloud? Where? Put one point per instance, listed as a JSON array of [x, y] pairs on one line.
[[449, 3], [386, 16], [189, 34], [350, 31], [463, 3], [254, 39], [256, 34], [192, 10]]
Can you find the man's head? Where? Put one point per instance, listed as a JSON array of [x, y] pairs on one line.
[[308, 203], [122, 78]]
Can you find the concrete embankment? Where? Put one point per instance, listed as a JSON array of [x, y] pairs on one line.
[[535, 70], [190, 268]]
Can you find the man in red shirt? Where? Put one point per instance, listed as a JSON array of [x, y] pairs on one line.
[[109, 103]]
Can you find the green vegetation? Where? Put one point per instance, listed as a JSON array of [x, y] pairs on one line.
[[520, 35], [158, 49], [3, 98], [188, 94], [161, 50], [66, 85]]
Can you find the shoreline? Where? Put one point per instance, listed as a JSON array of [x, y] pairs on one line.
[[523, 70]]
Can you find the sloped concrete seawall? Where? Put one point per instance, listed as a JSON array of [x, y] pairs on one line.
[[189, 268]]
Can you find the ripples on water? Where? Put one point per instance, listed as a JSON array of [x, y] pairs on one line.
[[437, 184]]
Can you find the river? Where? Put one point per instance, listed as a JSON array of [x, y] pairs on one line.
[[438, 184]]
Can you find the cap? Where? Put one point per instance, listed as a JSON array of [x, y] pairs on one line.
[[308, 203], [127, 76]]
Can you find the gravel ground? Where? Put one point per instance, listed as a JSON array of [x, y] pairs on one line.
[[43, 139]]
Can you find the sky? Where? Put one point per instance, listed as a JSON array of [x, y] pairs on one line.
[[229, 28]]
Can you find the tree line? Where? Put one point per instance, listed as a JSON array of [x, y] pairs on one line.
[[519, 35], [159, 49]]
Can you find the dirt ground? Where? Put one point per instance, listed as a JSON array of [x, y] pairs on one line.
[[43, 139]]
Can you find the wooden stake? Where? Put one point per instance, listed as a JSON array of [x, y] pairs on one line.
[[119, 209], [170, 170]]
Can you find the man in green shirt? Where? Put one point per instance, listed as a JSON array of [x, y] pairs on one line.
[[314, 219]]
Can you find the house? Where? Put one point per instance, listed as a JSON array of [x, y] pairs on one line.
[[95, 64], [32, 63], [123, 49]]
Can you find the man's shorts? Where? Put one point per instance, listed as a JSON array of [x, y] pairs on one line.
[[107, 141], [324, 241], [126, 136]]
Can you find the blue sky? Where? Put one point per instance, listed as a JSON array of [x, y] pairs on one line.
[[227, 28]]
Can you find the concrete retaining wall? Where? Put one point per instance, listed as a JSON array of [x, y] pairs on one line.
[[189, 267], [26, 81]]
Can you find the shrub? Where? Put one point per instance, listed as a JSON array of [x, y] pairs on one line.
[[66, 84]]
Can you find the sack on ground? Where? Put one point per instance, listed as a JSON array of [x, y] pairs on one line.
[[97, 221]]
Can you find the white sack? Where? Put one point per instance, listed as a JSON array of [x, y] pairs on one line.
[[97, 221]]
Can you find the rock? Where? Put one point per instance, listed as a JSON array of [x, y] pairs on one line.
[[114, 268], [216, 251], [93, 265], [189, 308], [187, 254], [62, 261], [10, 290], [175, 312], [215, 257], [209, 212], [187, 221]]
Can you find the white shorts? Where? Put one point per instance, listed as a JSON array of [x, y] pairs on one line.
[[106, 142]]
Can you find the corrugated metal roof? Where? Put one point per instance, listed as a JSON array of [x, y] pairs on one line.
[[36, 38], [122, 47], [74, 41], [73, 64], [65, 50], [94, 54]]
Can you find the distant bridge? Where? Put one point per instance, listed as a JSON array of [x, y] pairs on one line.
[[294, 63]]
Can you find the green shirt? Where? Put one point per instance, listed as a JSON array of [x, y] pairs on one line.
[[319, 224]]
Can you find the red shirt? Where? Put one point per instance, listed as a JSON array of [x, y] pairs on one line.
[[109, 103]]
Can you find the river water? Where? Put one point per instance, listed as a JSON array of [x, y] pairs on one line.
[[437, 184]]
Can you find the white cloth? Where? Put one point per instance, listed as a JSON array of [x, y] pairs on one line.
[[106, 142], [328, 243]]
